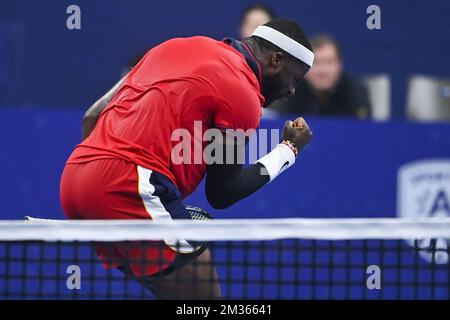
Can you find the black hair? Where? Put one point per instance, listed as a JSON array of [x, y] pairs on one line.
[[288, 28], [257, 7]]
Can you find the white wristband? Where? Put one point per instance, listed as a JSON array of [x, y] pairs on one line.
[[277, 160]]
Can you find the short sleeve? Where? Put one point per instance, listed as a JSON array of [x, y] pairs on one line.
[[240, 111]]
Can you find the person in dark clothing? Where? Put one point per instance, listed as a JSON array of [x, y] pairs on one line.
[[327, 90]]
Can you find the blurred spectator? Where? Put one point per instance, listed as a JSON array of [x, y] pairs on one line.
[[326, 89], [254, 16]]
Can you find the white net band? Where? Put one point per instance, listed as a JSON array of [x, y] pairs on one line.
[[216, 230]]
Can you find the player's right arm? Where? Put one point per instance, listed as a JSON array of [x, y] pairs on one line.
[[228, 183], [91, 115]]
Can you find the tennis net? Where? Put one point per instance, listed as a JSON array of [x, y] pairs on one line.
[[254, 259]]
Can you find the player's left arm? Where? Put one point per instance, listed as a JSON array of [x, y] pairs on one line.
[[91, 115], [227, 184]]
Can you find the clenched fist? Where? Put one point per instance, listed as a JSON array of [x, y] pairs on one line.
[[297, 132]]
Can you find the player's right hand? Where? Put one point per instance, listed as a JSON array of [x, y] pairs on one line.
[[297, 132]]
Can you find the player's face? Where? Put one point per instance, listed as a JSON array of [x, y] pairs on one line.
[[281, 78]]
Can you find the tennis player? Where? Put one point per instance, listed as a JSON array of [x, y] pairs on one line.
[[124, 168]]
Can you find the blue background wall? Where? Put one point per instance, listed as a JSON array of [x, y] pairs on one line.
[[57, 67]]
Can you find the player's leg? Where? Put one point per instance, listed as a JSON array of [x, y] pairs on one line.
[[186, 269], [106, 189], [195, 280]]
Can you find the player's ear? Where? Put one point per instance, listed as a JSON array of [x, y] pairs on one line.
[[276, 60]]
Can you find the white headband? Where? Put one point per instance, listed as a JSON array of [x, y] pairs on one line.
[[287, 44]]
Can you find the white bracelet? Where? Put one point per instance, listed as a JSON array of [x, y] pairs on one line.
[[277, 160]]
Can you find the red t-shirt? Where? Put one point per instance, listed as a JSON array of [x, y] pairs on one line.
[[176, 83]]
